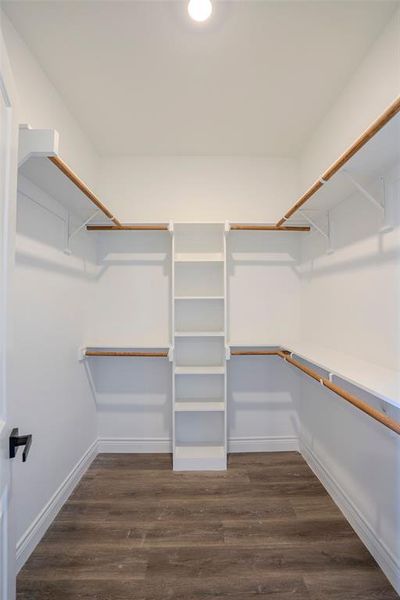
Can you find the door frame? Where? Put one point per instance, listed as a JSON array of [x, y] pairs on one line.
[[8, 189]]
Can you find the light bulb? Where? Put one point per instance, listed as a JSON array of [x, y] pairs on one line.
[[200, 10]]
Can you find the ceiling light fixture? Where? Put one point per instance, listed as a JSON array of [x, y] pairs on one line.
[[200, 10]]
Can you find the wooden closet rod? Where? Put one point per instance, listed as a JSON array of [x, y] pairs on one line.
[[369, 133], [161, 227], [64, 168], [255, 353], [240, 227], [126, 353], [360, 404]]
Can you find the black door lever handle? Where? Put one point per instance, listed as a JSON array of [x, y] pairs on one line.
[[20, 440]]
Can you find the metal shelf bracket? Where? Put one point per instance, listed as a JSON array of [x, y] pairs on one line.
[[324, 230], [69, 235], [380, 204]]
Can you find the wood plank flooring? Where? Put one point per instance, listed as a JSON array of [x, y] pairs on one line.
[[135, 530]]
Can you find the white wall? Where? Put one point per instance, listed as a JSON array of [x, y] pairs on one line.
[[350, 299], [132, 307], [41, 106], [199, 188], [51, 395], [373, 87], [350, 302], [358, 460], [263, 287]]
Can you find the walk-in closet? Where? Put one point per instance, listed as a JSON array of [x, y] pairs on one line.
[[200, 300]]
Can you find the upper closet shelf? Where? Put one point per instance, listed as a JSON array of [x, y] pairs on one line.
[[370, 157], [39, 161]]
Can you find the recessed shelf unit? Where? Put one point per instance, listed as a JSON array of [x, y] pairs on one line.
[[199, 365]]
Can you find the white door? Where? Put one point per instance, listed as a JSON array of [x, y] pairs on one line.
[[8, 173]]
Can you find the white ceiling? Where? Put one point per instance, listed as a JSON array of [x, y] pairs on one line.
[[142, 78]]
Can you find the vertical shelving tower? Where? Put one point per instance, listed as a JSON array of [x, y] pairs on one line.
[[199, 330]]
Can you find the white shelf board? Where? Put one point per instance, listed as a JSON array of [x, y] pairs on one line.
[[199, 298], [199, 370], [199, 457], [43, 173], [199, 451], [377, 157], [206, 334], [199, 406], [194, 257], [381, 382]]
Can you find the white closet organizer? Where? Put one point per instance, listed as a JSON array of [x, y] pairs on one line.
[[199, 328]]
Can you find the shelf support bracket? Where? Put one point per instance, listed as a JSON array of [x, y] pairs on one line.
[[326, 233], [69, 235], [379, 204]]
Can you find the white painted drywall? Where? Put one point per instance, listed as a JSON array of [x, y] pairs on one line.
[[359, 461], [350, 299], [51, 395], [262, 404], [197, 188], [132, 308], [350, 302], [263, 287], [41, 106], [373, 87]]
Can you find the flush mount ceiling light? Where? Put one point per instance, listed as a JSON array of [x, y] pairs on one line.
[[200, 10]]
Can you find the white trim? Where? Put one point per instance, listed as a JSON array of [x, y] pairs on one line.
[[164, 445], [135, 445], [381, 553], [32, 536], [281, 443]]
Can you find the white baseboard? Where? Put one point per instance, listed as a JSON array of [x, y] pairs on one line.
[[38, 528], [248, 444], [364, 530], [264, 444], [135, 445]]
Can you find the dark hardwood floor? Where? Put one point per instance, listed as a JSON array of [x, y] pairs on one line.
[[135, 530]]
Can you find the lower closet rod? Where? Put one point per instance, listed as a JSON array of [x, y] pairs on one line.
[[111, 353], [360, 404]]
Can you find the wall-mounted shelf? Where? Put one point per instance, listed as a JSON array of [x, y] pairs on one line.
[[199, 406], [194, 457], [198, 370], [194, 258], [203, 334], [39, 161], [370, 156], [207, 298], [380, 382]]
